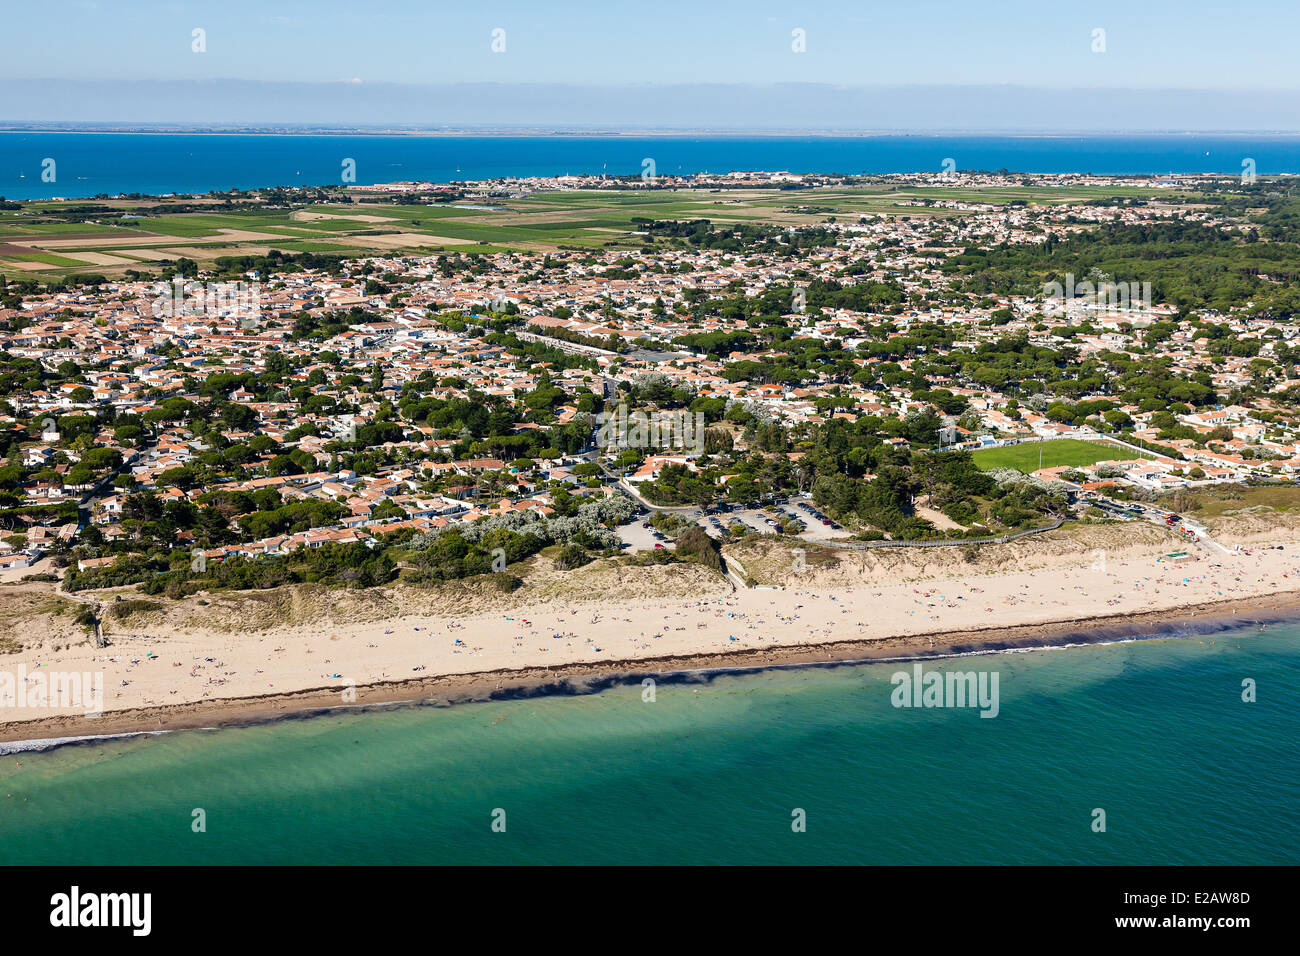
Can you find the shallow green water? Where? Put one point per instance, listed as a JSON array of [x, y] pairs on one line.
[[1153, 732]]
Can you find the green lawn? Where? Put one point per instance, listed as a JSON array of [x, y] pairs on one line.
[[1062, 451], [49, 259]]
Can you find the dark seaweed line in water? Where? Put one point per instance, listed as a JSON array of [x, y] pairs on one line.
[[596, 684]]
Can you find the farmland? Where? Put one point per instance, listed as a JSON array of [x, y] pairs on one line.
[[53, 240]]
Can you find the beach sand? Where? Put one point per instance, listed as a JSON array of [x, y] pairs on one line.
[[203, 676]]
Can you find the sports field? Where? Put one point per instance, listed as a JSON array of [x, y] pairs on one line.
[[1062, 451]]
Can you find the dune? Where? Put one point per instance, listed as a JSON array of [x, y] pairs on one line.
[[609, 615]]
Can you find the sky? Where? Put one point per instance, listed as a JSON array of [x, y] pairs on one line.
[[122, 55]]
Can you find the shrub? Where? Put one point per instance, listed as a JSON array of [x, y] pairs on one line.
[[572, 556], [127, 607], [695, 544]]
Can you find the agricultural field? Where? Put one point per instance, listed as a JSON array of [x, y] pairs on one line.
[[1064, 451], [53, 240]]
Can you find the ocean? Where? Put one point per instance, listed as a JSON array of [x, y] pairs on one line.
[[1154, 732], [87, 164]]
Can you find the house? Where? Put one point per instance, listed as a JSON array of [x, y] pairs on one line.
[[36, 456], [92, 564], [20, 560], [651, 467]]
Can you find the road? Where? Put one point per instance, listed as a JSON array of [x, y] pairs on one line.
[[1159, 516]]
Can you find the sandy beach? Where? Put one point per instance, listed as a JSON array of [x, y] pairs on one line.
[[201, 677]]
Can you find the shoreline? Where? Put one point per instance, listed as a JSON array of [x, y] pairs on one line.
[[573, 679]]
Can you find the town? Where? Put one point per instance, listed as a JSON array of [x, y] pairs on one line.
[[857, 379]]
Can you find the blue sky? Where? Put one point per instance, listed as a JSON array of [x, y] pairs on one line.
[[659, 64], [1193, 44]]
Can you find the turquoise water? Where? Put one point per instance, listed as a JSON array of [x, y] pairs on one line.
[[1154, 732], [88, 163]]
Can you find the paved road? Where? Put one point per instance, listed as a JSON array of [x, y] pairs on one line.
[[1159, 517]]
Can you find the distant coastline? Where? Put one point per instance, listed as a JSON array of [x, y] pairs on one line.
[[152, 160], [627, 132]]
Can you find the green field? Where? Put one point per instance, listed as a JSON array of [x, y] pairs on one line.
[[1216, 501], [543, 222], [1062, 451]]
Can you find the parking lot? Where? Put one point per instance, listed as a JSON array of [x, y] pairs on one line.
[[642, 539], [638, 538], [814, 529]]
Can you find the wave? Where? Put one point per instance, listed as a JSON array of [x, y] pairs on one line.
[[49, 743]]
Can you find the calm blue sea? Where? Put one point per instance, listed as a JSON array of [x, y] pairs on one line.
[[86, 164], [1154, 733]]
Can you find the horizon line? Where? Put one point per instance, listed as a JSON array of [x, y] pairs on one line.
[[290, 128]]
